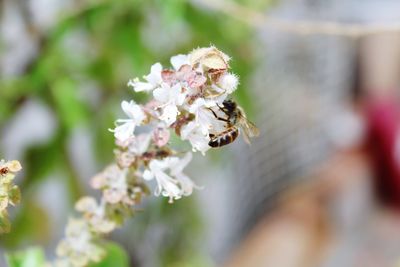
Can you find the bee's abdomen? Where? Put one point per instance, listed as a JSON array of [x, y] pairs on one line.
[[224, 138]]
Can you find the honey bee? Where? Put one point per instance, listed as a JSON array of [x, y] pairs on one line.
[[236, 122]]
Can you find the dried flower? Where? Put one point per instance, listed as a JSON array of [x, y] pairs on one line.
[[9, 193]]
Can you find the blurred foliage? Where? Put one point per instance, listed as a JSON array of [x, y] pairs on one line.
[[80, 73], [35, 257], [116, 257], [32, 257]]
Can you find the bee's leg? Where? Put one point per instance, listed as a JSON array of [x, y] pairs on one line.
[[213, 112], [218, 118], [223, 110]]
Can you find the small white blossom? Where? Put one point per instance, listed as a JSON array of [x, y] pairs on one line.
[[169, 98], [194, 133], [169, 114], [166, 185], [126, 127], [204, 118], [78, 246], [179, 60], [139, 144], [95, 215], [177, 165], [175, 184], [153, 79], [228, 82], [113, 183]]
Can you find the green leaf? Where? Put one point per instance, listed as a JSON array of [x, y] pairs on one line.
[[116, 257], [33, 257]]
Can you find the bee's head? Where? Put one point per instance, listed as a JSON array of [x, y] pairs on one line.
[[229, 105]]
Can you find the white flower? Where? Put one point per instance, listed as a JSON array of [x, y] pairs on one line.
[[198, 130], [228, 82], [179, 60], [204, 118], [166, 185], [177, 166], [78, 246], [169, 114], [153, 79], [175, 184], [94, 215], [166, 94], [194, 133], [139, 144], [126, 127], [113, 182], [169, 98], [132, 148]]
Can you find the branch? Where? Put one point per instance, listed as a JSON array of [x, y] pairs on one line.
[[302, 27]]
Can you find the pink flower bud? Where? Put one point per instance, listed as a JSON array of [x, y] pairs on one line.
[[161, 136]]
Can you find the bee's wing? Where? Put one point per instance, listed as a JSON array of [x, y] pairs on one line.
[[248, 128]]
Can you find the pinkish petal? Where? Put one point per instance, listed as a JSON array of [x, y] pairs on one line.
[[185, 73], [161, 136], [169, 77], [197, 81]]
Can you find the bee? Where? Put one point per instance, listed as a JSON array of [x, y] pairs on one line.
[[236, 122]]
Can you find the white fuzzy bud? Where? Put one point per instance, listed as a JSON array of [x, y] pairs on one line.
[[228, 82]]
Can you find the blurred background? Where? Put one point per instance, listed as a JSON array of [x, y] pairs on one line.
[[319, 187]]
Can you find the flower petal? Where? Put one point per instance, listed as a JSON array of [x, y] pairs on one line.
[[154, 77], [161, 136], [169, 114], [140, 144], [179, 60], [161, 94], [133, 111], [181, 164], [140, 86], [228, 82], [124, 131], [148, 175]]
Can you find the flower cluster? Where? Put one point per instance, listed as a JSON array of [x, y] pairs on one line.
[[183, 97], [9, 192], [80, 247], [185, 100]]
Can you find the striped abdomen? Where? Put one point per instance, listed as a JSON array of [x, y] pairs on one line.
[[223, 138]]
